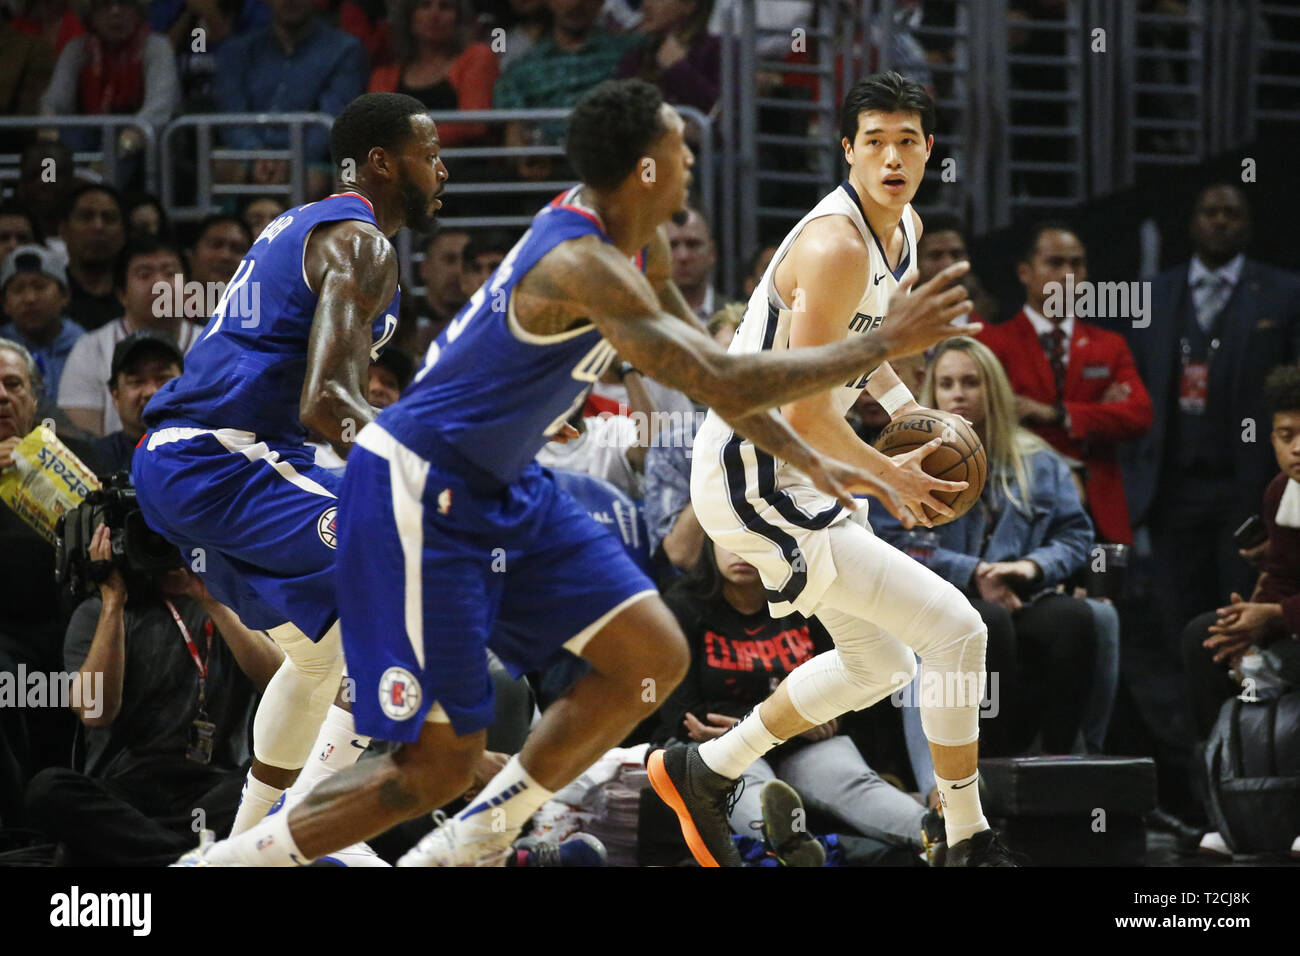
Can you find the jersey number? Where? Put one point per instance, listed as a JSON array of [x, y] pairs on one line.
[[240, 277]]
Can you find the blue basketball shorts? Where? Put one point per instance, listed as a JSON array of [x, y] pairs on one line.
[[437, 564]]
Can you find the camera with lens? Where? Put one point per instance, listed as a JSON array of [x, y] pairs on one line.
[[138, 550]]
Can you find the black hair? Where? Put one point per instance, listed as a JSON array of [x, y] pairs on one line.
[[372, 119], [143, 352], [752, 262], [134, 201], [490, 240], [12, 207], [704, 581], [399, 363], [1282, 389], [1030, 246], [944, 221], [75, 196], [209, 221], [142, 246], [437, 233], [611, 128], [889, 92]]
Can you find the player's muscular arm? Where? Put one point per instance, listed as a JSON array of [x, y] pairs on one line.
[[588, 278], [353, 268]]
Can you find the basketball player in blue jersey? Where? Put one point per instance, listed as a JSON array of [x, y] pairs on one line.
[[452, 539], [224, 472]]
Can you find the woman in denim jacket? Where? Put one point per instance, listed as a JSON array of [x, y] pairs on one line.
[[1010, 554]]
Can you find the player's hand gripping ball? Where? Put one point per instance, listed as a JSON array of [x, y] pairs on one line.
[[959, 458]]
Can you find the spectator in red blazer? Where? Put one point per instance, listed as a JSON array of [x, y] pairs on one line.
[[1090, 403]]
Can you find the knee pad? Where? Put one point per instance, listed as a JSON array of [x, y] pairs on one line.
[[828, 686], [298, 696], [953, 683]]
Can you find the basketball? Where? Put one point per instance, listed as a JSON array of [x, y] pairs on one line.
[[959, 458]]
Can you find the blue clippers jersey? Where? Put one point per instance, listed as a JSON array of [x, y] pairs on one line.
[[492, 390], [247, 369]]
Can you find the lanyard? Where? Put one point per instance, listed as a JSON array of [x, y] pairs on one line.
[[199, 662]]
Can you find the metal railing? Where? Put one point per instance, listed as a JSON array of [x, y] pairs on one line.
[[109, 155], [208, 191]]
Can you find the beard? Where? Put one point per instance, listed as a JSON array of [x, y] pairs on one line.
[[416, 207]]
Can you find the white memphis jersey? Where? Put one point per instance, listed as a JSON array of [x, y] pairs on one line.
[[748, 501]]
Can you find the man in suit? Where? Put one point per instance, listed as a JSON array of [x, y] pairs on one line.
[[1076, 384], [1219, 324]]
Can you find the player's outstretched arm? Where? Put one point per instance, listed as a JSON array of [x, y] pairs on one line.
[[589, 278], [353, 268]]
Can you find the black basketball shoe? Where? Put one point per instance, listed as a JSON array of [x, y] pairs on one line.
[[700, 798], [983, 849]]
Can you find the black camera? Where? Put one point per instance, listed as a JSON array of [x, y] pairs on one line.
[[137, 548]]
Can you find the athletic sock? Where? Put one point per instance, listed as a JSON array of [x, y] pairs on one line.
[[338, 746], [962, 815], [268, 843], [256, 799], [732, 753], [504, 805]]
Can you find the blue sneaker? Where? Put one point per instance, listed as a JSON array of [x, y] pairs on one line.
[[581, 849]]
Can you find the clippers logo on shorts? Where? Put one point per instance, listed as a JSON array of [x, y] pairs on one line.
[[444, 501], [399, 693], [328, 527]]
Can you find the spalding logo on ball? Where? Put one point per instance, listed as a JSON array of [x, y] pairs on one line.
[[959, 458]]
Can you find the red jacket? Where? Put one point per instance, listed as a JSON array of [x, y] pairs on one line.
[[1096, 359], [1281, 583]]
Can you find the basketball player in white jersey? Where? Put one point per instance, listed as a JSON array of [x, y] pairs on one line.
[[832, 278]]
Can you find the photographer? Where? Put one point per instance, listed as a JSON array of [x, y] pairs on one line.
[[168, 678]]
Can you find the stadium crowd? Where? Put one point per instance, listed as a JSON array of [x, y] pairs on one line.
[[1111, 448]]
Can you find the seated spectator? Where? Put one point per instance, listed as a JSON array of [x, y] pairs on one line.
[[118, 67], [524, 22], [389, 376], [17, 228], [681, 58], [942, 244], [145, 216], [149, 281], [562, 65], [295, 64], [34, 293], [258, 213], [439, 66], [31, 625], [94, 234], [1215, 643], [26, 64], [174, 677], [739, 653], [1076, 385], [47, 177], [219, 243], [755, 268], [218, 20], [694, 259], [1024, 537], [440, 271], [143, 362], [55, 21], [481, 256]]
